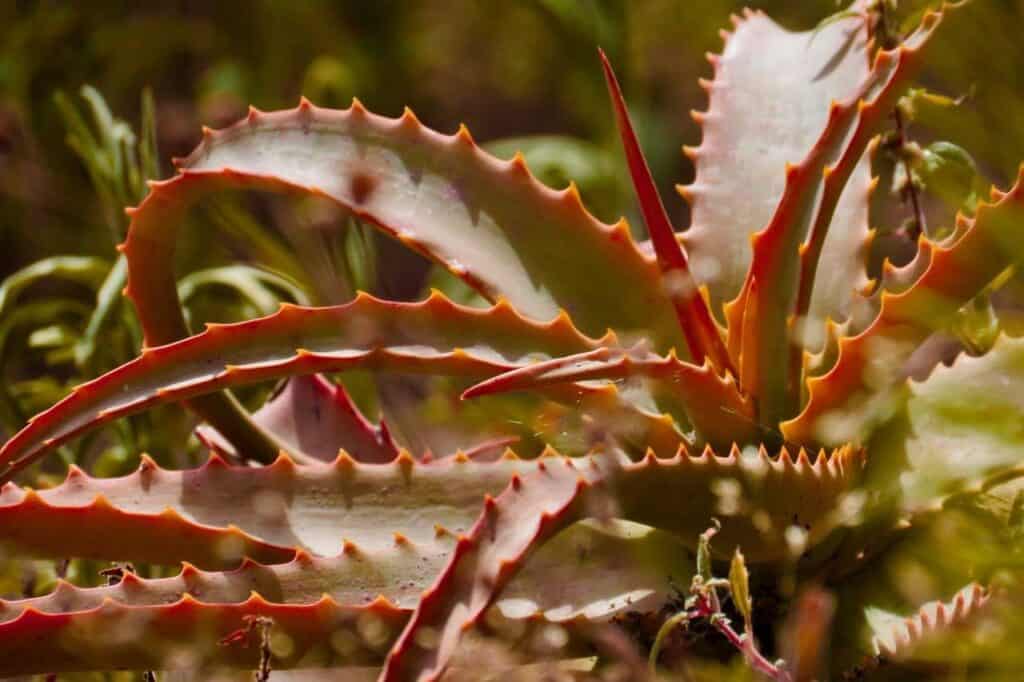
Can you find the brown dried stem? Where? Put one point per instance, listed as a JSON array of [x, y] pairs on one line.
[[887, 39]]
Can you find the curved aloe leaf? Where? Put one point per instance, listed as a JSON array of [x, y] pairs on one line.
[[490, 222], [863, 388], [486, 220], [624, 567], [586, 574], [215, 515], [161, 516], [786, 252], [190, 634], [197, 637], [768, 102], [434, 336], [535, 507], [894, 280], [898, 638]]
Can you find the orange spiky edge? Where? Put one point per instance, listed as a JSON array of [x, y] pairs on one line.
[[895, 68], [315, 416], [469, 173], [195, 635], [395, 573], [779, 250], [860, 390], [897, 279], [535, 507], [431, 336], [703, 338], [166, 635], [714, 406], [932, 620], [486, 210], [161, 516]]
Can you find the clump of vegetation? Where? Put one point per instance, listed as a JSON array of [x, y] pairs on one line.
[[630, 416]]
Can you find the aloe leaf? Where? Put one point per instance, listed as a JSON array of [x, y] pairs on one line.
[[893, 71], [897, 279], [214, 515], [784, 265], [538, 505], [963, 422], [489, 222], [434, 336], [864, 387], [482, 210], [768, 102], [892, 279], [586, 575], [703, 338], [314, 415], [713, 405], [322, 639], [900, 638], [188, 634]]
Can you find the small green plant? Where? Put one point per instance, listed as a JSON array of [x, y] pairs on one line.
[[704, 602], [683, 379]]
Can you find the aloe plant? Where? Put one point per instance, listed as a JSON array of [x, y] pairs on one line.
[[762, 390]]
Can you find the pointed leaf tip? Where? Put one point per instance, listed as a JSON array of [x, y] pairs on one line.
[[701, 334]]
